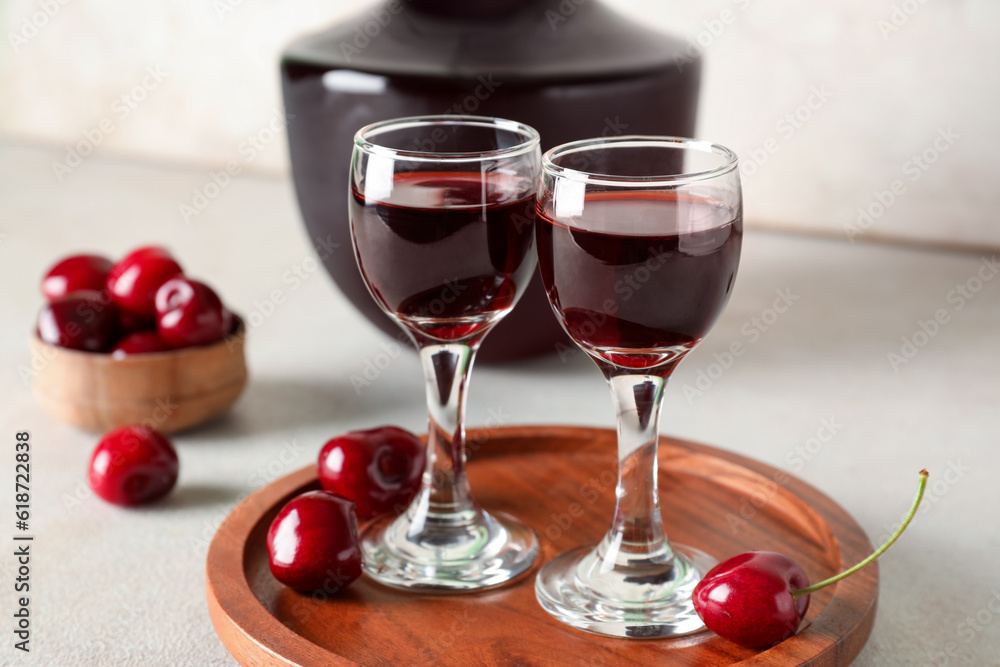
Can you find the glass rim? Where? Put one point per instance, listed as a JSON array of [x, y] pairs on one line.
[[635, 140], [363, 138]]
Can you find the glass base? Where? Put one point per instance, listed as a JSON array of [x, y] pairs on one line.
[[452, 553], [619, 603]]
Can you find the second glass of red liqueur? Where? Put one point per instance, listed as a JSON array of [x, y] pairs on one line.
[[442, 215], [638, 245]]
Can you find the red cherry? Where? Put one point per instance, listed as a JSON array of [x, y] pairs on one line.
[[748, 599], [130, 323], [82, 320], [190, 313], [143, 342], [134, 280], [312, 543], [379, 469], [76, 272], [133, 465], [758, 599]]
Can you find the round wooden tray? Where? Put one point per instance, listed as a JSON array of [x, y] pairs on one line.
[[560, 481]]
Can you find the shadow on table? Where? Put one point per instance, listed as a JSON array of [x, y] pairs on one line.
[[192, 496]]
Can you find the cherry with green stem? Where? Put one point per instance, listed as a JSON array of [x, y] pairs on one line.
[[759, 598]]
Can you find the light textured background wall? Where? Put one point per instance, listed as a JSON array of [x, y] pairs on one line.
[[199, 78]]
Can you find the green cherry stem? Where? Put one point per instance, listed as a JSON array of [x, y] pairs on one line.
[[796, 594]]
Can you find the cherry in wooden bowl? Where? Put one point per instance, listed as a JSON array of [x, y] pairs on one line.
[[168, 391]]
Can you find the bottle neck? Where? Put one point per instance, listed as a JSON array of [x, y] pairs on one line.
[[471, 9]]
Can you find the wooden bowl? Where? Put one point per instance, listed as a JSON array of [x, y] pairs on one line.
[[168, 391]]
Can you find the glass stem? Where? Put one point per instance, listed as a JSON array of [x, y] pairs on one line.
[[445, 487], [636, 541]]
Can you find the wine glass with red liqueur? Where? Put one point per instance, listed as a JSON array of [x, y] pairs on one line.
[[638, 244], [442, 213]]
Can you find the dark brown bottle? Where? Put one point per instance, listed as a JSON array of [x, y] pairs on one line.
[[572, 69]]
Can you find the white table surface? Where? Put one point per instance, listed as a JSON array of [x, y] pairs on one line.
[[113, 586]]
